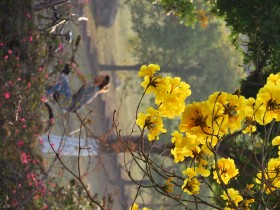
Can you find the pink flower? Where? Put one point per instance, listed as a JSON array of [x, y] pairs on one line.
[[7, 95], [6, 57], [1, 44], [30, 39], [24, 158], [28, 85], [10, 51]]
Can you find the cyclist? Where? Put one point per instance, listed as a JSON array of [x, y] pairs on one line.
[[61, 91]]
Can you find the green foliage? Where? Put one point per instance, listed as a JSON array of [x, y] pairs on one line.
[[198, 55], [257, 21], [183, 9]]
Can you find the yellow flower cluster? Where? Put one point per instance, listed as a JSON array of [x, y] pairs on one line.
[[170, 95], [204, 124], [267, 109], [267, 105], [221, 114], [152, 121], [269, 177], [233, 195], [234, 200]]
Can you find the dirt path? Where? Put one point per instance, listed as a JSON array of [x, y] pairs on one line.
[[103, 172]]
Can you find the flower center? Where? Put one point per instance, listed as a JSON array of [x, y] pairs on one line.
[[199, 120], [272, 105], [230, 110]]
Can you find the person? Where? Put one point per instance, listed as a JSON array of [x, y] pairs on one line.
[[62, 94]]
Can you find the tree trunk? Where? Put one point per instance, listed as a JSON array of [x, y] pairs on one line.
[[117, 144], [133, 143]]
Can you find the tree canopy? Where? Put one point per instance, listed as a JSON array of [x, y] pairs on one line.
[[257, 21], [197, 54]]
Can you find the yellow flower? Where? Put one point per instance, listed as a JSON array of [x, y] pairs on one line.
[[197, 119], [267, 106], [195, 171], [274, 79], [152, 121], [168, 186], [179, 154], [177, 137], [190, 172], [191, 186], [171, 101], [148, 70], [134, 207], [194, 118], [271, 179], [226, 169], [246, 204], [203, 171], [234, 196], [276, 141], [249, 126], [155, 85], [184, 146], [234, 107]]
